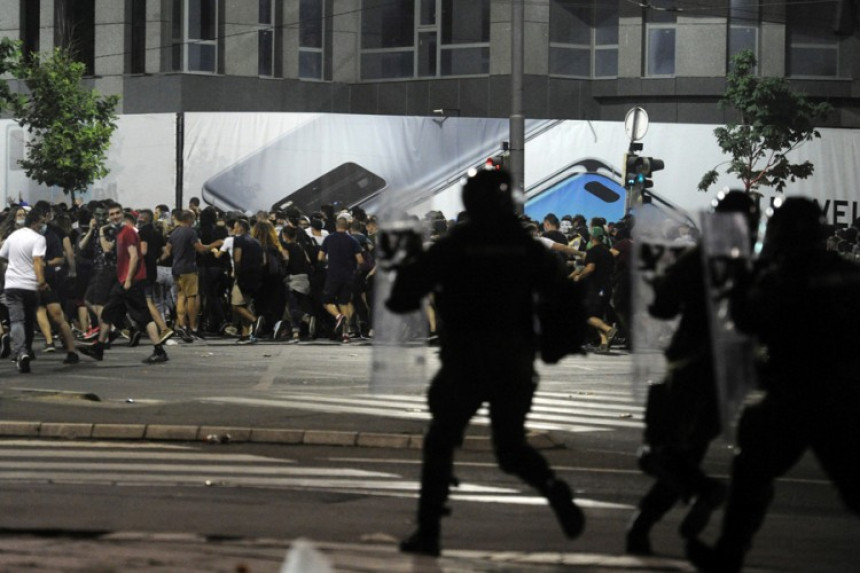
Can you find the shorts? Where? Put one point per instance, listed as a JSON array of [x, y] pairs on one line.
[[50, 295], [338, 290], [239, 298], [132, 302], [100, 286], [188, 284]]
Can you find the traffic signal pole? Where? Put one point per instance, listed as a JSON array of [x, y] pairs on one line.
[[517, 118]]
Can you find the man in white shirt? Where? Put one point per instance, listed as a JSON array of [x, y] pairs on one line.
[[25, 277]]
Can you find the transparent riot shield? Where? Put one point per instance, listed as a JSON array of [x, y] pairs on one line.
[[400, 340], [657, 244], [726, 250]]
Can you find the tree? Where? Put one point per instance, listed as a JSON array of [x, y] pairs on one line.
[[70, 126], [10, 55], [774, 120]]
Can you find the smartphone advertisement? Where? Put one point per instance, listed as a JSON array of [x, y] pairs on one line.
[[251, 161]]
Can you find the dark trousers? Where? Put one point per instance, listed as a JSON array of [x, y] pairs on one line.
[[22, 306], [495, 369], [213, 289], [772, 437]]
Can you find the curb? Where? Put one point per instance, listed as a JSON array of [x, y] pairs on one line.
[[236, 434]]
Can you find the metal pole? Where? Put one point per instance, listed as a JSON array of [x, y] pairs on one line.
[[517, 119], [180, 156]]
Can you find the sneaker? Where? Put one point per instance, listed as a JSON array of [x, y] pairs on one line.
[[92, 334], [569, 516], [345, 339], [165, 335], [156, 358], [134, 340], [279, 330], [184, 334], [610, 335], [71, 358], [95, 350], [231, 330], [126, 333], [5, 345], [113, 335], [602, 349], [296, 337], [257, 329], [421, 543], [339, 324], [49, 347], [196, 334], [247, 340], [312, 327], [23, 363]]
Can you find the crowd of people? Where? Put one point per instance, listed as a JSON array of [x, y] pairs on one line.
[[87, 275]]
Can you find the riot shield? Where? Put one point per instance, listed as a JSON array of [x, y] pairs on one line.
[[400, 340], [656, 246], [726, 250]]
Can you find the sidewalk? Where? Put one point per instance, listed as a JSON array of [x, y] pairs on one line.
[[129, 552]]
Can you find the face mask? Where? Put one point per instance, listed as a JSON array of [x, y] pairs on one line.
[[19, 222]]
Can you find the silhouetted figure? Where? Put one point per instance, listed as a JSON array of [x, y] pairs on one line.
[[484, 275], [803, 307], [682, 414]]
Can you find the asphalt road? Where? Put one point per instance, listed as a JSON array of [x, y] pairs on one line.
[[352, 497]]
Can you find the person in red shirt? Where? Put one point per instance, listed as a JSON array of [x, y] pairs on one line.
[[127, 295]]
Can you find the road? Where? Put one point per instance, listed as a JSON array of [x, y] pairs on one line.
[[348, 497]]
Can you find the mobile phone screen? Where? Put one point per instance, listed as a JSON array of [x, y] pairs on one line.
[[348, 184], [589, 194]]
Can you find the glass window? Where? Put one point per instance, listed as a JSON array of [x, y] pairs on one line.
[[29, 27], [813, 47], [661, 51], [465, 61], [465, 22], [424, 38], [195, 35], [387, 65], [583, 38], [743, 26], [387, 24], [266, 38], [311, 39]]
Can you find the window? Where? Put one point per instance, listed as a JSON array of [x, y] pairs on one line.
[[813, 47], [743, 26], [424, 38], [266, 38], [660, 35], [311, 39], [583, 38], [29, 27], [195, 35], [138, 37], [75, 30]]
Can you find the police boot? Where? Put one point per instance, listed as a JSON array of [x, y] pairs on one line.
[[709, 497], [569, 515], [718, 559], [638, 540]]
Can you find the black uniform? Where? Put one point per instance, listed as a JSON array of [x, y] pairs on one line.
[[483, 277], [804, 309]]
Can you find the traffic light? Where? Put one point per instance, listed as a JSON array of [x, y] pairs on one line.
[[638, 170]]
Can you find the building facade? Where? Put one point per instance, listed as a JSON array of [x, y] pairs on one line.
[[584, 59]]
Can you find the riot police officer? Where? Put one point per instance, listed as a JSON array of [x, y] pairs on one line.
[[484, 275], [799, 297]]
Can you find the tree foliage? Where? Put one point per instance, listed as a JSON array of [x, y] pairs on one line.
[[773, 121], [69, 125]]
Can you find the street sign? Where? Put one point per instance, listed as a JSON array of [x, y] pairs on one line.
[[636, 123]]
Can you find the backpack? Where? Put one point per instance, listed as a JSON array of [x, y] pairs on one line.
[[275, 266]]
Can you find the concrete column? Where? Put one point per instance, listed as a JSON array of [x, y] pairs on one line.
[[11, 10], [630, 47], [701, 47], [500, 37], [158, 36], [46, 26], [290, 39], [346, 40], [241, 53], [112, 25]]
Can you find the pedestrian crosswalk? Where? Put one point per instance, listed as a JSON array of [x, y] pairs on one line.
[[47, 462], [572, 411]]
